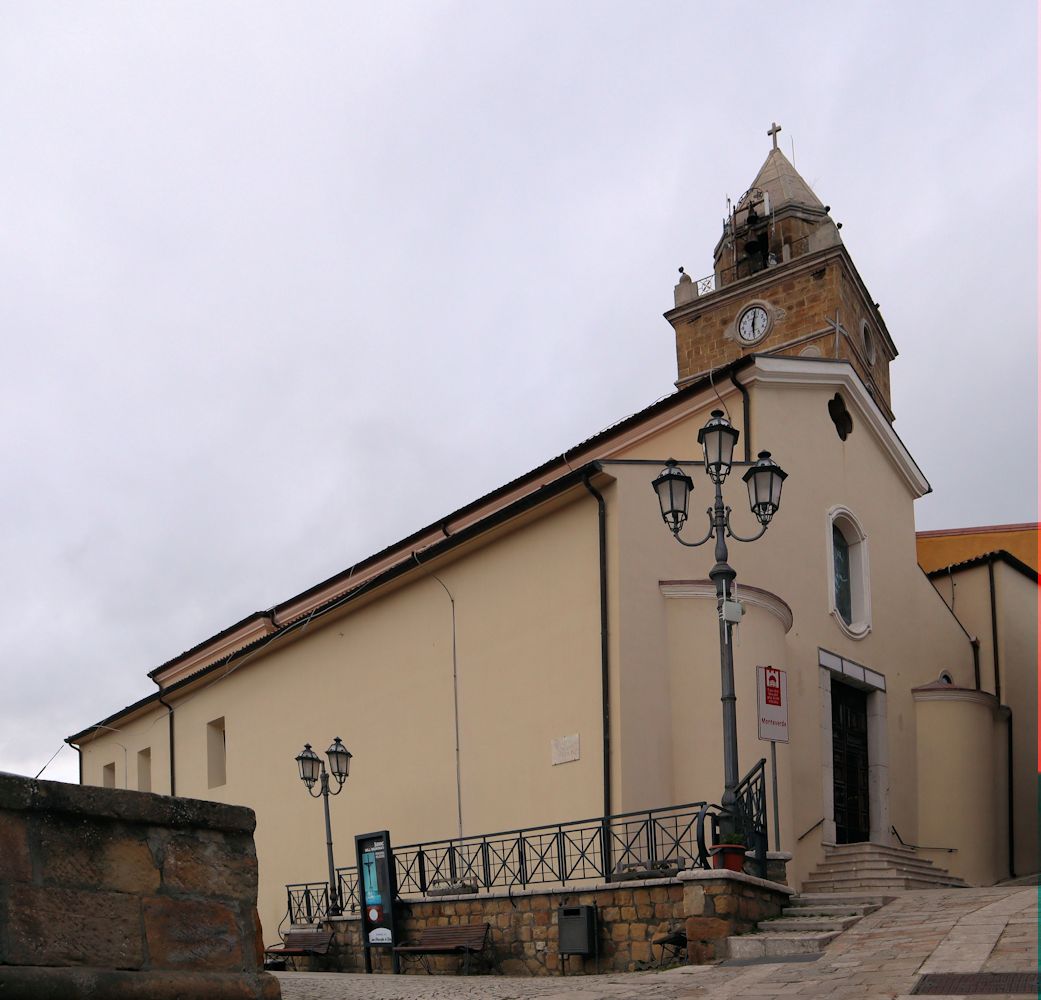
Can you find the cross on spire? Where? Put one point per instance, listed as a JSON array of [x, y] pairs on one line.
[[772, 132]]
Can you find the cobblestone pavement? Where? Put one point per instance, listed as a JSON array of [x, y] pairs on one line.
[[947, 930]]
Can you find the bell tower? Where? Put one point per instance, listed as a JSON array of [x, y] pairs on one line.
[[782, 282]]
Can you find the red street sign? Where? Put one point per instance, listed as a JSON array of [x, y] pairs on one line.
[[772, 704]]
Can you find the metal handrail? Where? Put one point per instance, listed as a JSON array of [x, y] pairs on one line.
[[750, 813], [307, 902], [602, 847], [623, 845], [596, 848], [746, 268], [920, 847]]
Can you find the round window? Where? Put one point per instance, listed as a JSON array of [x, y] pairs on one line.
[[867, 340]]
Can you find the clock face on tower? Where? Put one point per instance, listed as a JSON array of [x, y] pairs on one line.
[[753, 324]]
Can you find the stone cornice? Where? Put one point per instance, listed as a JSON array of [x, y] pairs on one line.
[[724, 875], [808, 262], [948, 692], [755, 596]]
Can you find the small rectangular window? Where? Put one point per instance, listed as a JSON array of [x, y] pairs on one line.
[[216, 753], [108, 775], [144, 770]]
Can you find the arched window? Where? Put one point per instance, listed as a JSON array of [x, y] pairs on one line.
[[840, 573], [849, 597]]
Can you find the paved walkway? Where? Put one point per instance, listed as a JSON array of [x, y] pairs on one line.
[[946, 930]]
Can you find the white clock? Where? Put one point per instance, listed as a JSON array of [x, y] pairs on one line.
[[753, 324]]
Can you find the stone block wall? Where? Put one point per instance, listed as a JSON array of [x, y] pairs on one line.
[[524, 933], [118, 894], [718, 907]]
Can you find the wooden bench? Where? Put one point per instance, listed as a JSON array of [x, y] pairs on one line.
[[300, 942], [463, 939]]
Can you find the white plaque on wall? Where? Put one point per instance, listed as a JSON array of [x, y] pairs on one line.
[[565, 749]]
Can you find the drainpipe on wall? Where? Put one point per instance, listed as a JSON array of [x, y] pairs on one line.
[[170, 730], [455, 707], [994, 630], [455, 692], [79, 754], [745, 416], [1011, 799], [605, 673]]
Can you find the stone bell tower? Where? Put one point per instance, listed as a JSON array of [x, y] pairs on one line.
[[782, 282]]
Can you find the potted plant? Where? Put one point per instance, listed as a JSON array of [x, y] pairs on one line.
[[729, 853]]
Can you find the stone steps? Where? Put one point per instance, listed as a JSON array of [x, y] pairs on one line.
[[866, 863], [865, 847], [874, 900], [875, 881], [852, 881], [799, 924], [808, 924], [829, 909], [778, 945], [849, 867]]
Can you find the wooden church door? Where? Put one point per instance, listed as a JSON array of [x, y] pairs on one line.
[[850, 759]]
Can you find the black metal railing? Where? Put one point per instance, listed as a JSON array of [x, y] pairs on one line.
[[308, 902], [649, 843], [748, 266], [750, 813], [347, 884]]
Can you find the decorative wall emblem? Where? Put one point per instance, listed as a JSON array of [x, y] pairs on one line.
[[840, 416]]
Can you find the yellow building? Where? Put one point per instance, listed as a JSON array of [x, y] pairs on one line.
[[549, 653], [939, 549]]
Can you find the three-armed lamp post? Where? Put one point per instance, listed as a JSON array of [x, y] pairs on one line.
[[312, 771], [764, 479]]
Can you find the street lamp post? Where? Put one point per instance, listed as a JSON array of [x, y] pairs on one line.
[[764, 479], [312, 772]]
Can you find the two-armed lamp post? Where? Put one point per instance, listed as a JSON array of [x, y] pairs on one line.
[[764, 479], [312, 772]]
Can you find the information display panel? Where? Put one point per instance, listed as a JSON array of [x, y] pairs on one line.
[[377, 888]]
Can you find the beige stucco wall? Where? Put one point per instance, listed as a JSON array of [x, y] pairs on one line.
[[147, 732], [1016, 601], [696, 709], [913, 635], [528, 656], [962, 784], [968, 593]]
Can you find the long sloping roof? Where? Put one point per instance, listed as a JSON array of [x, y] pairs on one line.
[[351, 582], [556, 465]]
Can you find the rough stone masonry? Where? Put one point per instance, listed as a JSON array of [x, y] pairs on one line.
[[120, 894]]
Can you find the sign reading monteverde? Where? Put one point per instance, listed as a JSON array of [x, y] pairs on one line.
[[772, 703]]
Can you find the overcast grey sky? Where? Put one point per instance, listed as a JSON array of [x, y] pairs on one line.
[[282, 282]]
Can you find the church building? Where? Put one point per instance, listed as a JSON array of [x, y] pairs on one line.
[[549, 653]]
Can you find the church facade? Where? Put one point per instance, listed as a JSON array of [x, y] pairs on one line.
[[548, 652]]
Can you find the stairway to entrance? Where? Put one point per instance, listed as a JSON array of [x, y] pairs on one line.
[[850, 883], [875, 867]]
